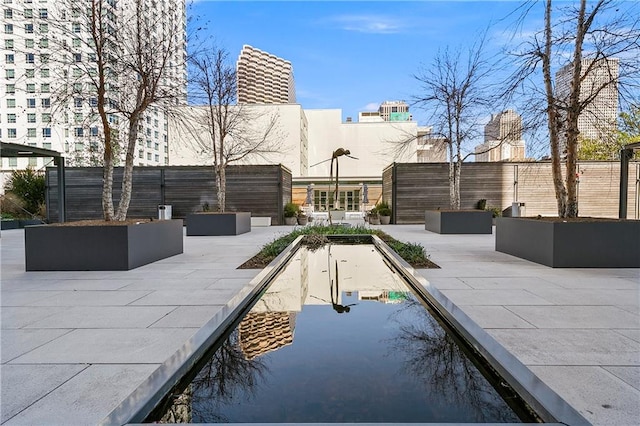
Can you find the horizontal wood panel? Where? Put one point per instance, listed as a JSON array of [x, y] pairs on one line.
[[417, 187], [261, 190]]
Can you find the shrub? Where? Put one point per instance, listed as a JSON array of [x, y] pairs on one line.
[[482, 204], [384, 209], [291, 210], [29, 186]]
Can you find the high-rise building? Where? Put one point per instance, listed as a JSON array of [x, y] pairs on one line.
[[48, 63], [264, 78], [599, 119], [502, 138], [394, 111]]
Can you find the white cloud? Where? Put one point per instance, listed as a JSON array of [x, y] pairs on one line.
[[369, 24], [372, 106]]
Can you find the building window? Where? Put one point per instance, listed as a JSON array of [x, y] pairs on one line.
[[93, 102], [28, 28], [77, 57], [8, 28], [31, 133], [46, 117], [44, 43], [31, 88], [11, 103], [12, 133], [31, 118], [11, 118], [92, 57], [44, 58], [44, 14], [29, 73], [9, 74], [8, 44], [77, 87], [30, 58], [45, 87], [28, 13], [77, 102], [44, 72], [46, 145], [76, 42], [8, 13], [77, 72], [157, 158], [149, 156], [77, 117], [94, 131], [75, 27], [28, 43], [13, 162], [46, 132], [46, 102], [44, 28], [11, 89], [32, 162], [78, 132], [141, 154], [31, 103]]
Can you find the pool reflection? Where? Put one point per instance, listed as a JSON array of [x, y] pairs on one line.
[[339, 337]]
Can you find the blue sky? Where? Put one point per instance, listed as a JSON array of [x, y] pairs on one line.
[[352, 55]]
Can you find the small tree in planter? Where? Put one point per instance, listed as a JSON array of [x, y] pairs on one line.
[[594, 47]]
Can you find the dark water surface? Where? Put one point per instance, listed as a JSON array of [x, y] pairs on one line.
[[339, 337]]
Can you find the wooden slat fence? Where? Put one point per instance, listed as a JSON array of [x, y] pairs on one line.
[[259, 189], [412, 188]]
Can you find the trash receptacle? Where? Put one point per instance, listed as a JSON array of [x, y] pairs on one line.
[[164, 211], [518, 209]]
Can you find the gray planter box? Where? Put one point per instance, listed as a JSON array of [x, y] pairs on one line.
[[233, 223], [458, 221], [571, 244], [19, 223], [101, 247]]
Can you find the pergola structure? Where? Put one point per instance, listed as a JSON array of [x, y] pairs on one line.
[[14, 150], [626, 153]]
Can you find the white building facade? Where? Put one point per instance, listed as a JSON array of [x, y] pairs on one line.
[[48, 64]]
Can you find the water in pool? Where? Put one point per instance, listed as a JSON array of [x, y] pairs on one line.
[[338, 337]]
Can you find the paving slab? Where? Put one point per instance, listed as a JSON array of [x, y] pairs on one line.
[[569, 346], [109, 346], [18, 393], [597, 394], [81, 400], [591, 316]]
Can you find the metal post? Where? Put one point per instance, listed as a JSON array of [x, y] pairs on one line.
[[62, 206], [625, 156], [515, 183]]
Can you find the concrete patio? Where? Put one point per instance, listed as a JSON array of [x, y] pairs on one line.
[[75, 344]]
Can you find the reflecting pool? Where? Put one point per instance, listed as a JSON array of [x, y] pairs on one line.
[[338, 337]]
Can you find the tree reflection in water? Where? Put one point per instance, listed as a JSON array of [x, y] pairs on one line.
[[225, 374], [434, 357]]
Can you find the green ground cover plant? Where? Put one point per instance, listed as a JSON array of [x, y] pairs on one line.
[[414, 254]]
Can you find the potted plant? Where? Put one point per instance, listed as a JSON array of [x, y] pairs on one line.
[[303, 219], [384, 211], [290, 213], [374, 218]]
